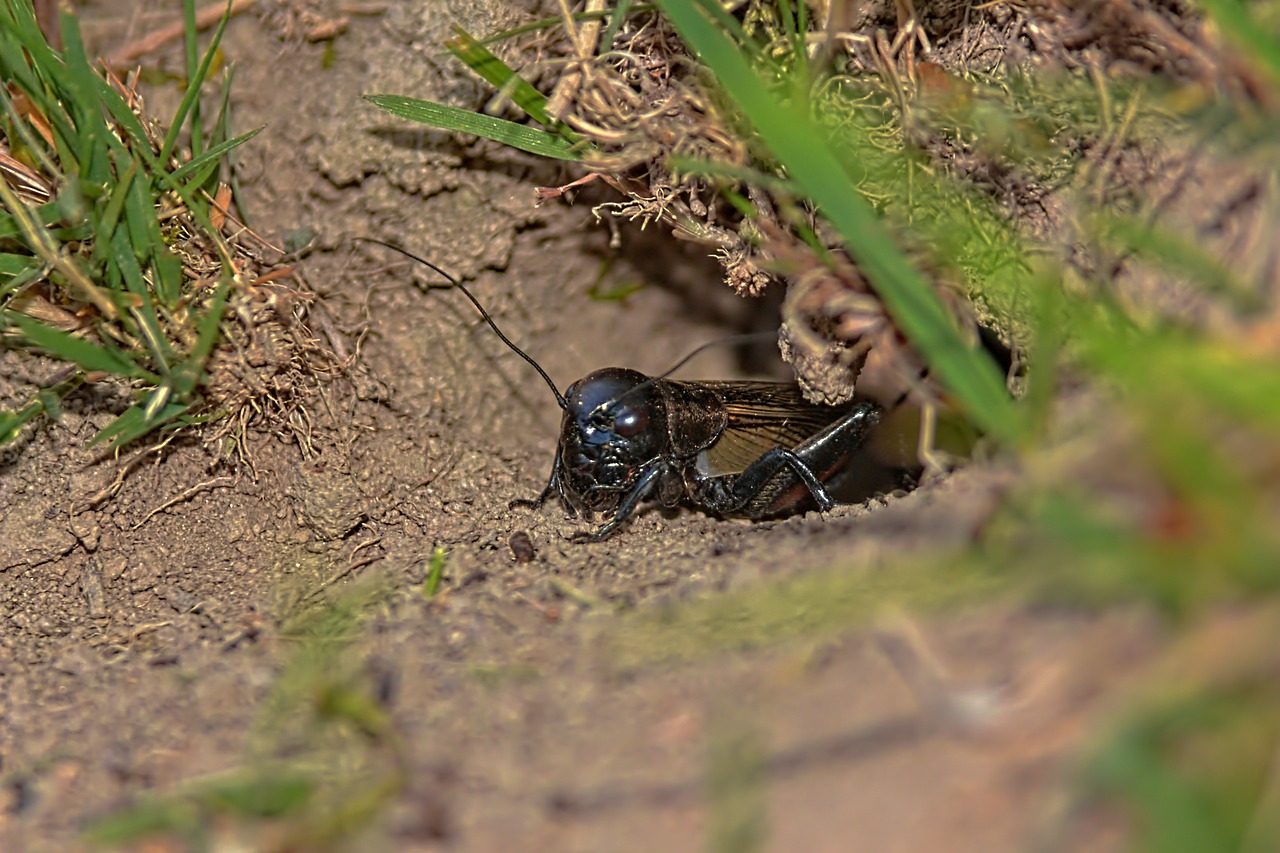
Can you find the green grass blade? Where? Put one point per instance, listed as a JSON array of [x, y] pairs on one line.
[[43, 244], [713, 10], [94, 137], [795, 23], [528, 139], [11, 423], [121, 114], [213, 155], [134, 424], [500, 76], [222, 122], [141, 231], [71, 348], [149, 245], [194, 82], [109, 218], [39, 73], [47, 215], [35, 271], [14, 265], [221, 133], [47, 401], [15, 40], [166, 271], [802, 146], [191, 33], [157, 400], [431, 584], [198, 181], [144, 312], [24, 137]]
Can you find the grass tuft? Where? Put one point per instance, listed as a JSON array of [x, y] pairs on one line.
[[109, 257]]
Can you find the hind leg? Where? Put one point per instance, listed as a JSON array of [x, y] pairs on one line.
[[780, 479]]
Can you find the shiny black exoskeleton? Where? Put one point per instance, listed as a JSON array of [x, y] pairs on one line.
[[745, 449], [742, 449]]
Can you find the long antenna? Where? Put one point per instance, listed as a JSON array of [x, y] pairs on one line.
[[745, 337], [560, 400]]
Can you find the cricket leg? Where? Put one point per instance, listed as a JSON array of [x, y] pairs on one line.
[[553, 488], [781, 478], [648, 480]]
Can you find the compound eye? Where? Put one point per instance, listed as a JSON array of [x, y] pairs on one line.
[[630, 422]]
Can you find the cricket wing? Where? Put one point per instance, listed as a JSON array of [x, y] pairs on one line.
[[761, 416]]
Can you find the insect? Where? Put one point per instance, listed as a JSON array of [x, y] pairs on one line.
[[737, 449]]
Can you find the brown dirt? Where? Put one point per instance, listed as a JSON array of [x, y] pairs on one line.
[[138, 644]]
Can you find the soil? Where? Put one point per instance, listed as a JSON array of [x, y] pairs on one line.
[[536, 701]]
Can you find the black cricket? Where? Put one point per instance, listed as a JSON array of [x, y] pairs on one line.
[[737, 449]]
